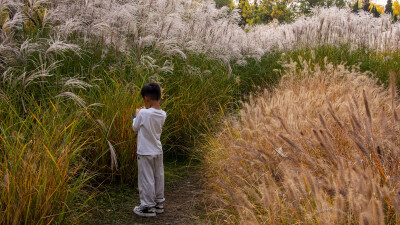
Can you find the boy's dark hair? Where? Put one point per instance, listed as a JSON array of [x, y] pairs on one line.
[[151, 90]]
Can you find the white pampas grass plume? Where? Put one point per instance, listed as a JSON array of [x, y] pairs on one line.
[[76, 83], [74, 97], [57, 46], [114, 162]]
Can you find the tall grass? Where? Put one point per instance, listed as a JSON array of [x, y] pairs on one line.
[[264, 73], [320, 149], [193, 97], [379, 63], [71, 71], [87, 128], [42, 170], [66, 113]]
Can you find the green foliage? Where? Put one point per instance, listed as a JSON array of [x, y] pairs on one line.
[[263, 73], [264, 12], [375, 12], [366, 5], [389, 7], [380, 64], [222, 3], [244, 10], [281, 12], [194, 96], [356, 7], [340, 3], [305, 6]]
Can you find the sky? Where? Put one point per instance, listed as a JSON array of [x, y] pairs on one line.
[[380, 2]]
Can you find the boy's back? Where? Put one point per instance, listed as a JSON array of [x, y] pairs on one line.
[[149, 123]]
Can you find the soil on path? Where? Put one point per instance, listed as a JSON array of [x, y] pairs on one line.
[[184, 204]]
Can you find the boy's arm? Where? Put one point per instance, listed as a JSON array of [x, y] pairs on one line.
[[137, 121]]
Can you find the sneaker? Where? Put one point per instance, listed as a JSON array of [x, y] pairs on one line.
[[159, 208], [144, 211]]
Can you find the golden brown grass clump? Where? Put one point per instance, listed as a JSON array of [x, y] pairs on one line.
[[322, 148]]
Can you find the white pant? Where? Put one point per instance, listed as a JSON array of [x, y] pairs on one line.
[[150, 179]]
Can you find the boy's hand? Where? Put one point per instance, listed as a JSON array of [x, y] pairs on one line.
[[138, 110]]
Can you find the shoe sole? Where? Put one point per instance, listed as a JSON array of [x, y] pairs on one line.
[[144, 214], [159, 210]]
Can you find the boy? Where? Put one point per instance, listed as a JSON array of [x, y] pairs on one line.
[[148, 123]]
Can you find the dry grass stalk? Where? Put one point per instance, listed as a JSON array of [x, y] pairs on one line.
[[336, 164]]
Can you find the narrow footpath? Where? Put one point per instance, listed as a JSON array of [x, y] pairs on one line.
[[184, 204]]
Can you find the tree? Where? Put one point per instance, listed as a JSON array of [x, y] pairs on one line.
[[244, 10], [389, 7], [356, 7], [396, 8], [340, 3], [366, 5], [375, 12], [281, 12], [305, 6], [264, 11]]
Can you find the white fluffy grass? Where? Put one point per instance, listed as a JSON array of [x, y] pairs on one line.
[[200, 27], [175, 26]]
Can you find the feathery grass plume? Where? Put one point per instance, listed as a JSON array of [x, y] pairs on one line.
[[75, 82], [42, 71], [26, 49], [114, 162], [102, 125], [57, 46], [347, 179], [72, 96]]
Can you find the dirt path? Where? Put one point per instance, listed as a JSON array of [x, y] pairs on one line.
[[184, 204]]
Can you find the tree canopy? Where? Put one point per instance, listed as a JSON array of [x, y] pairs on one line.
[[265, 11], [389, 7]]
